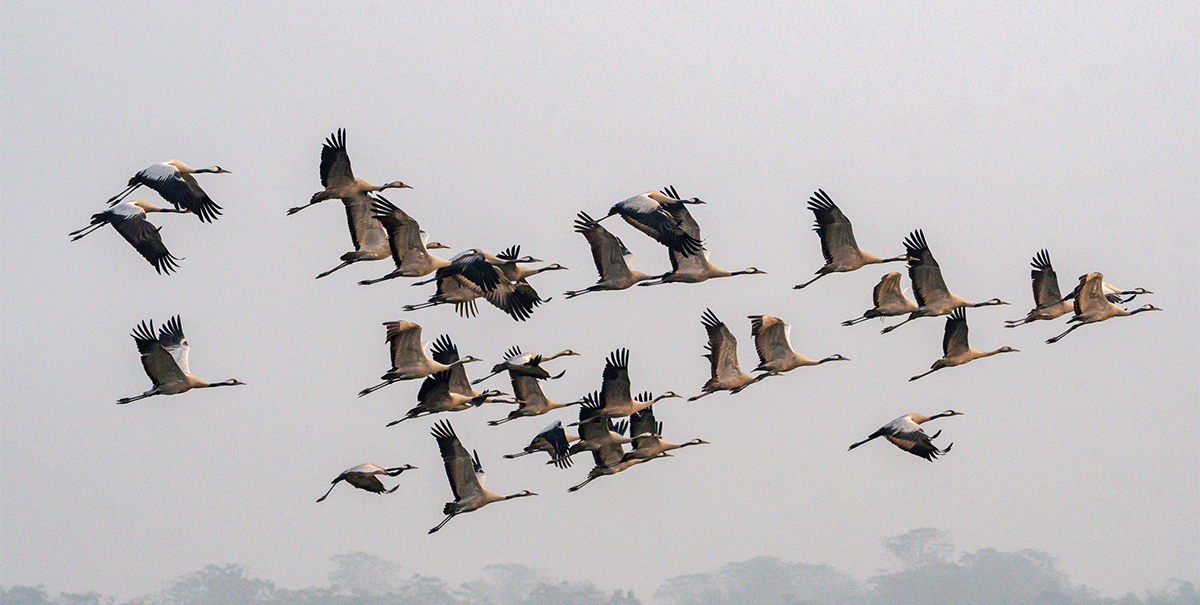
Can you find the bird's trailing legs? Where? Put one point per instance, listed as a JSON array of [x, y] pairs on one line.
[[890, 328], [367, 282], [78, 233], [125, 400], [344, 263], [120, 196], [444, 521], [935, 368], [369, 390], [803, 285], [424, 305], [1060, 336]]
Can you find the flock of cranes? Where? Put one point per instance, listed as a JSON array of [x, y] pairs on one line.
[[612, 418]]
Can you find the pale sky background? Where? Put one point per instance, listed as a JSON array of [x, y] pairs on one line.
[[999, 128]]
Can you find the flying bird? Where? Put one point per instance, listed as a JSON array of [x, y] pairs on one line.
[[338, 178], [526, 364], [905, 433], [646, 213], [889, 300], [690, 268], [1091, 305], [129, 219], [647, 438], [510, 262], [366, 477], [471, 276], [841, 252], [553, 440], [532, 401], [955, 349], [773, 343], [165, 359], [409, 361], [173, 180], [466, 476], [722, 357], [608, 253], [615, 400], [933, 297], [407, 243]]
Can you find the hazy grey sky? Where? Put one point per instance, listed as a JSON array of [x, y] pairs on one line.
[[999, 129]]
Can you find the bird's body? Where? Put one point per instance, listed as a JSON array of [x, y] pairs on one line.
[[905, 433], [933, 297], [406, 243], [647, 212], [129, 219], [726, 375], [165, 359], [366, 477], [608, 253], [409, 361], [1092, 306], [466, 476], [889, 300], [838, 246], [174, 182], [553, 440], [955, 349], [338, 178]]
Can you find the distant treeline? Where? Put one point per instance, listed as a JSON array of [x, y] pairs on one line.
[[928, 575]]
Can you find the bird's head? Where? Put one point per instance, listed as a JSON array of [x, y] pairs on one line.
[[568, 353], [669, 394], [233, 382], [219, 170], [395, 185], [1007, 349], [698, 442], [993, 302], [1146, 308], [754, 271], [555, 267], [837, 357], [950, 413], [436, 246], [469, 359], [393, 472]]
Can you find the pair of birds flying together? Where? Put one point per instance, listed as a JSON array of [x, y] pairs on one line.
[[173, 181]]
